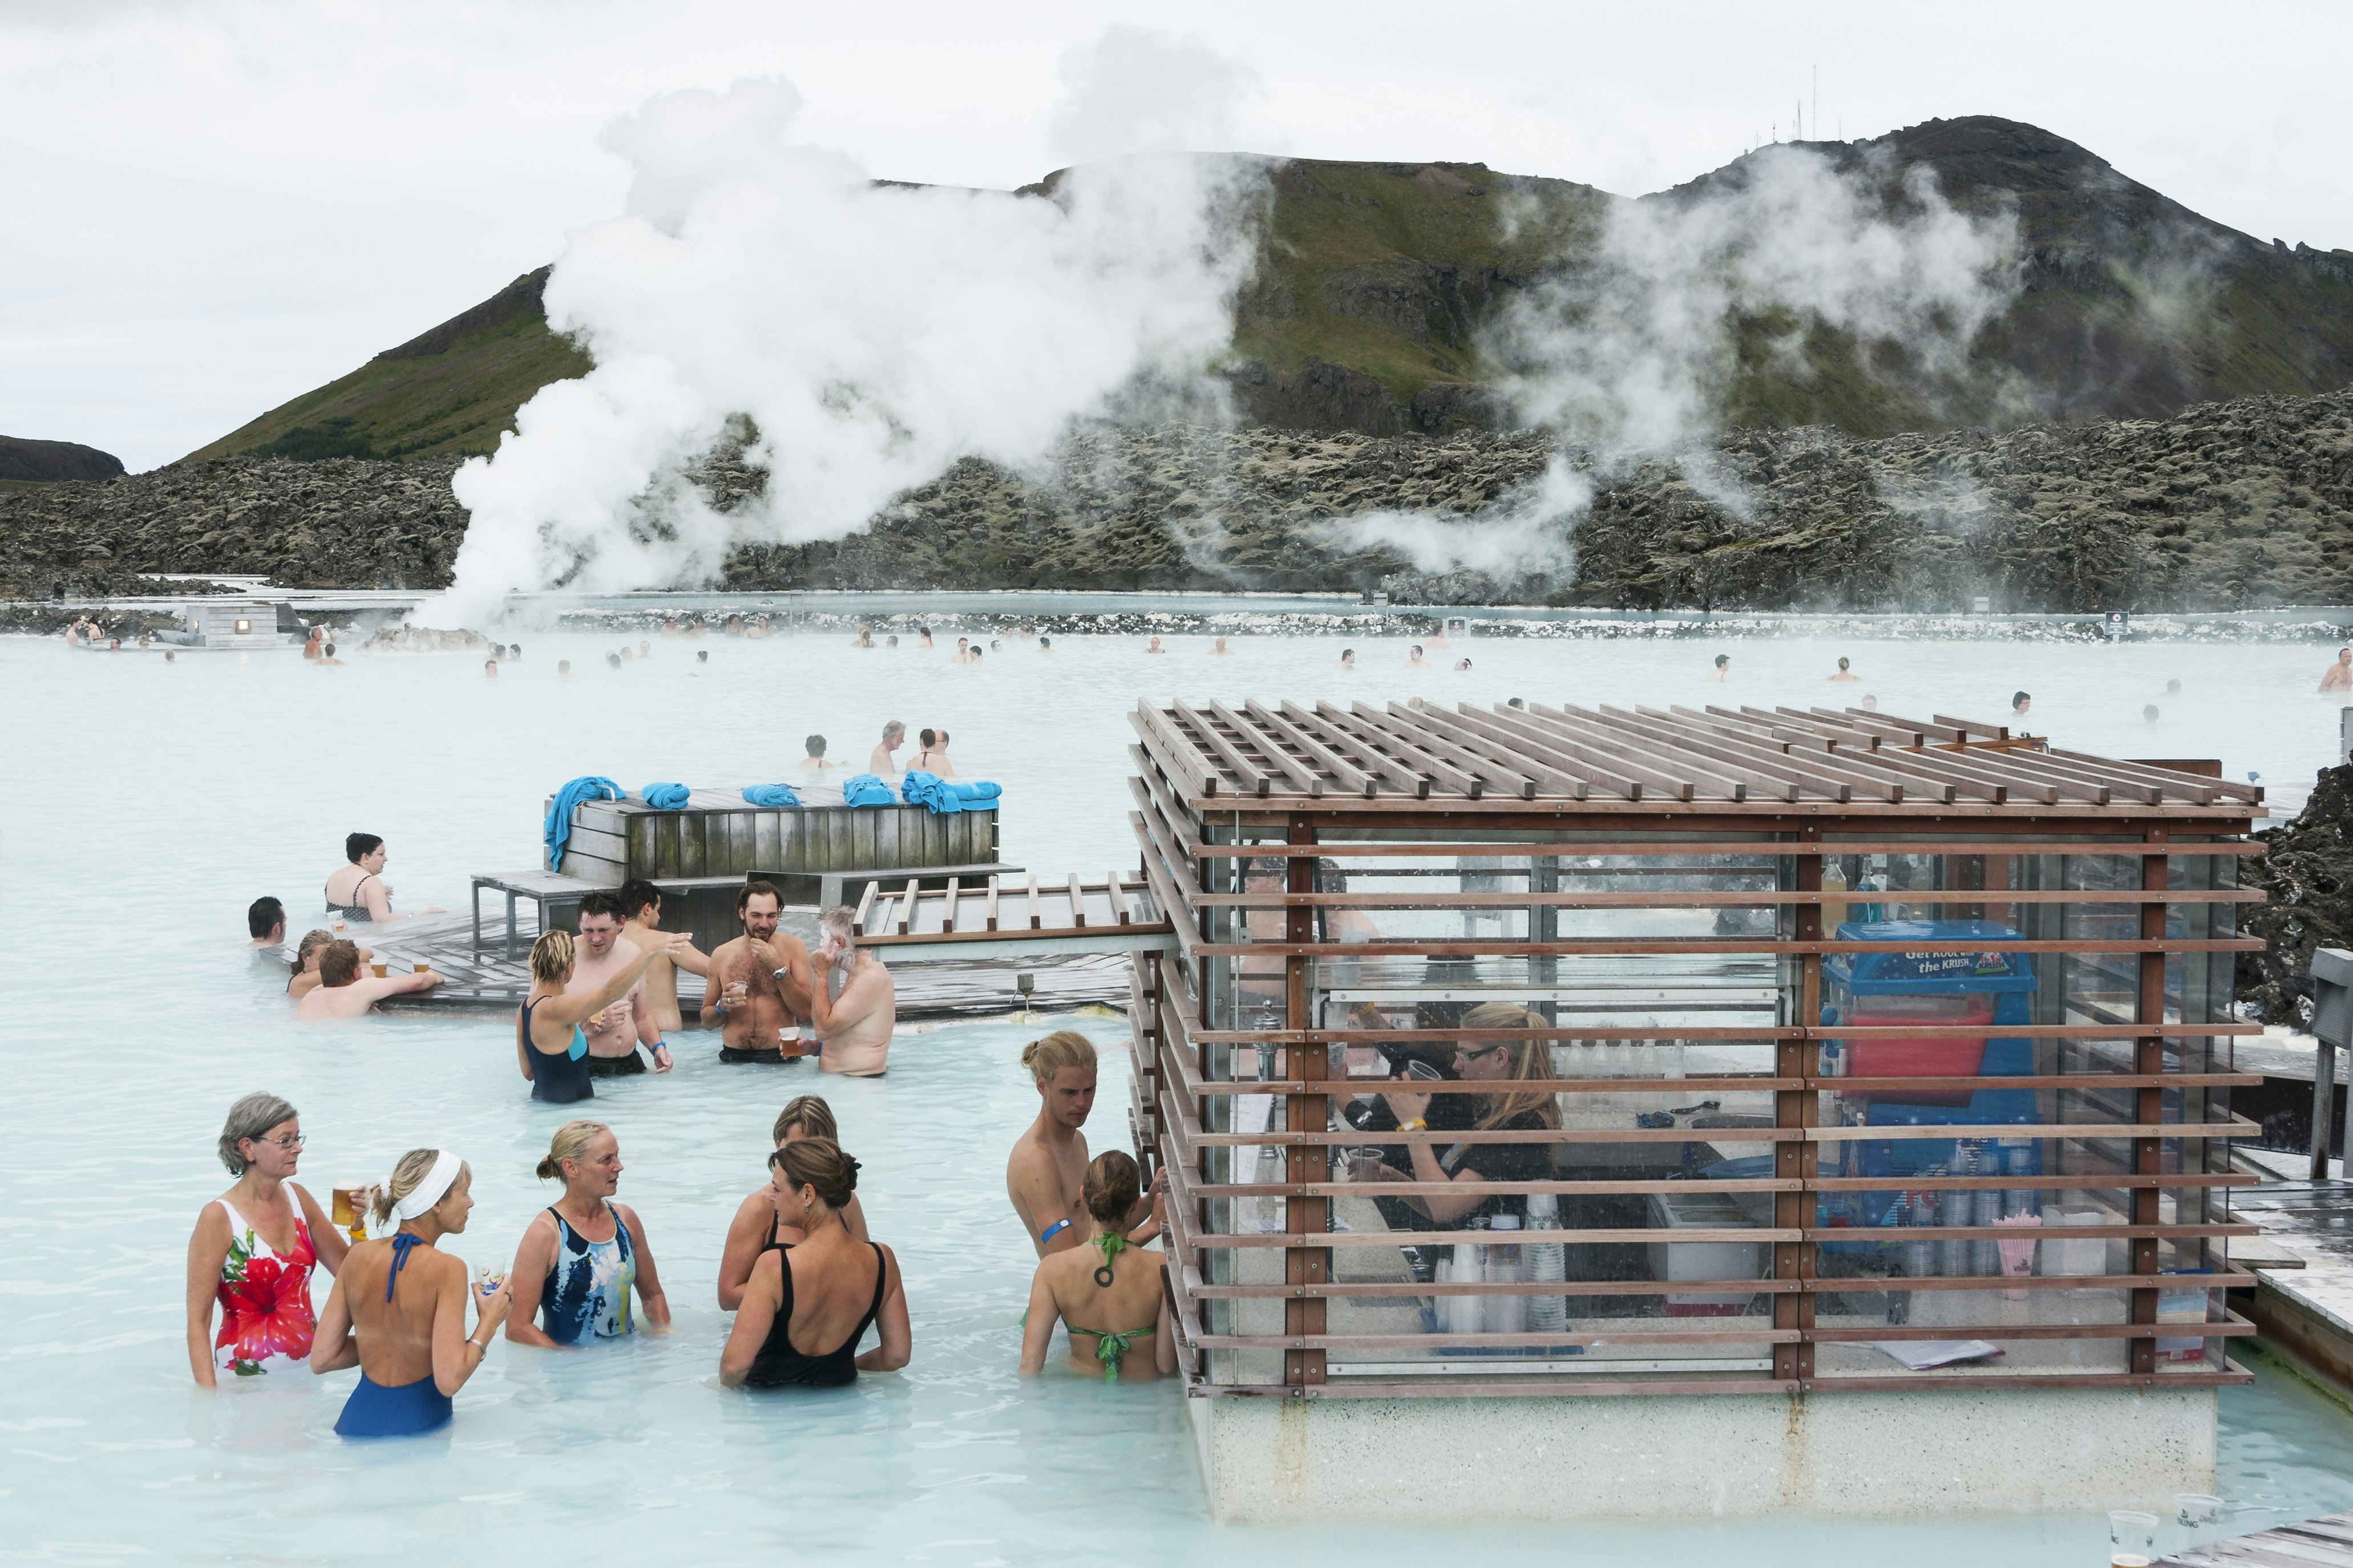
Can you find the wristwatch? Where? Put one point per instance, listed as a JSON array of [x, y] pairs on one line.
[[777, 974]]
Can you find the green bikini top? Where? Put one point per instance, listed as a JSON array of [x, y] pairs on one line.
[[1112, 1349]]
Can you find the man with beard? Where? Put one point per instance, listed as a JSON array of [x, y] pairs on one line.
[[758, 993]]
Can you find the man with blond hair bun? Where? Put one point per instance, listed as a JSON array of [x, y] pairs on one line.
[[1046, 1175]]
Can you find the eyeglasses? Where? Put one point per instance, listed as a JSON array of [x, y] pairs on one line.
[[291, 1141], [1462, 1056]]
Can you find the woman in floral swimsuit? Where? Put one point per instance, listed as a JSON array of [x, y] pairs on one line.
[[253, 1251]]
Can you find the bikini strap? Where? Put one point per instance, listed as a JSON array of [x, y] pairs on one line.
[[1112, 1243], [402, 1244]]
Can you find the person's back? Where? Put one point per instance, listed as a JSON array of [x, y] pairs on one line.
[[1128, 1309], [396, 1337], [1106, 1291]]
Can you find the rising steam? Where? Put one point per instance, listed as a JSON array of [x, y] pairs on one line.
[[864, 336]]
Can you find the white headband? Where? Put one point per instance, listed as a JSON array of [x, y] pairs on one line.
[[429, 1191]]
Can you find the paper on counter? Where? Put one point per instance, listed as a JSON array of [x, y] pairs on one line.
[[1921, 1354]]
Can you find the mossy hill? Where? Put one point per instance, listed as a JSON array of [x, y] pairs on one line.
[[450, 391], [1377, 283]]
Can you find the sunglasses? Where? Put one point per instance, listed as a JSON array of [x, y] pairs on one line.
[[1462, 1056]]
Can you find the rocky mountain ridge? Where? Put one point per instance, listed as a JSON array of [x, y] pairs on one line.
[[2230, 505]]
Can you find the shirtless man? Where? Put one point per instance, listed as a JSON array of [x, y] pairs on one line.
[[759, 989], [884, 762], [1413, 659], [2339, 677], [642, 900], [1221, 650], [1047, 1171], [615, 1034], [853, 1027], [1722, 674], [344, 992], [266, 919]]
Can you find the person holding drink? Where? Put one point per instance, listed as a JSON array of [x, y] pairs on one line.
[[551, 1046], [582, 1254], [253, 1249], [398, 1311]]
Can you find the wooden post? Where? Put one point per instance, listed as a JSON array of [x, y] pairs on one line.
[[1801, 1059], [2148, 1053], [1306, 1113]]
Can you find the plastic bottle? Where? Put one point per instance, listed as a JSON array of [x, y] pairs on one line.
[[1461, 1312], [1833, 881], [1504, 1314], [1545, 1260]]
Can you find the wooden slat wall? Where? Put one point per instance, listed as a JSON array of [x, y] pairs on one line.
[[1222, 758]]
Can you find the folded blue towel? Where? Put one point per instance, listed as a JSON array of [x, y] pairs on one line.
[[771, 795], [665, 797], [557, 832], [944, 797], [865, 789]]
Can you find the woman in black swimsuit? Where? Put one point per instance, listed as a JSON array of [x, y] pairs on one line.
[[825, 1291]]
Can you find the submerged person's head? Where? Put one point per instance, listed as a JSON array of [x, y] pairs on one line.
[[703, 655], [2149, 713], [814, 745], [552, 958], [261, 1130], [929, 738], [1062, 1065], [306, 955], [1112, 1186], [586, 1156], [839, 926], [264, 919], [490, 667], [425, 1183], [893, 733], [815, 1176], [2020, 701], [758, 907], [562, 667], [1723, 660], [339, 964], [361, 848], [612, 661], [1842, 664], [807, 1116]]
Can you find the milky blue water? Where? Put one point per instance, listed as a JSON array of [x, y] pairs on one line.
[[145, 803]]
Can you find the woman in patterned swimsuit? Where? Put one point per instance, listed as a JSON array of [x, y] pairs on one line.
[[582, 1255], [253, 1251]]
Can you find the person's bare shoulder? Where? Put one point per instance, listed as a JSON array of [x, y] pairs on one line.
[[790, 945]]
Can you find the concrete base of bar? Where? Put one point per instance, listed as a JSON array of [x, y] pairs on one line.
[[1956, 1452]]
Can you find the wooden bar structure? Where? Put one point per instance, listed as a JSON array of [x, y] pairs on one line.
[[817, 854], [972, 916], [1851, 1032]]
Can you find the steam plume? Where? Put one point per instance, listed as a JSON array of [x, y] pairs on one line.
[[864, 336]]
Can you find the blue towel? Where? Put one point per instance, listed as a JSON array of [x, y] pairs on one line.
[[865, 789], [943, 797], [771, 795], [558, 829], [665, 797]]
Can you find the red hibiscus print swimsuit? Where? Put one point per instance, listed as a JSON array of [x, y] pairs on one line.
[[266, 1321]]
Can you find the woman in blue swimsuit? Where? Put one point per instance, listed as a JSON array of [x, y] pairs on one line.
[[549, 1045], [398, 1310], [584, 1253]]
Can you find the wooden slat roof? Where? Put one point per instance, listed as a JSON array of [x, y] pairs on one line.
[[1750, 757]]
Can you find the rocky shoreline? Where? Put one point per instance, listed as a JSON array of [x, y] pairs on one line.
[[2228, 506]]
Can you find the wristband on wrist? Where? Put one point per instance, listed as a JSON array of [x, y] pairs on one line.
[[1415, 1125]]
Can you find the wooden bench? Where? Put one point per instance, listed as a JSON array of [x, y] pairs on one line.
[[833, 889]]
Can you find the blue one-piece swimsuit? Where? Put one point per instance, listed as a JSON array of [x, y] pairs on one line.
[[375, 1411], [558, 1079]]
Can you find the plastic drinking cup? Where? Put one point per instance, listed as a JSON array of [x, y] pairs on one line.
[[2132, 1538]]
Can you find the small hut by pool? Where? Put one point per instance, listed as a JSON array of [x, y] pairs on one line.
[[1870, 1154]]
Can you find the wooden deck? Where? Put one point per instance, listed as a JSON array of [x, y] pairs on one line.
[[489, 983], [1043, 916], [2314, 1543]]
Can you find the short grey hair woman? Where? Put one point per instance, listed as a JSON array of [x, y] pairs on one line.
[[253, 1249]]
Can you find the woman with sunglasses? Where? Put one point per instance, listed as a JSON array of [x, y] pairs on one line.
[[254, 1248], [1507, 1108]]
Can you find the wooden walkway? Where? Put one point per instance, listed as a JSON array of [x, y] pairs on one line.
[[975, 916], [488, 982], [2314, 1543]]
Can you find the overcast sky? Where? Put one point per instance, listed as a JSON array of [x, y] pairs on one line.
[[214, 207]]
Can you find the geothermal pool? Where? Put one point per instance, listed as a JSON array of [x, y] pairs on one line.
[[148, 803]]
